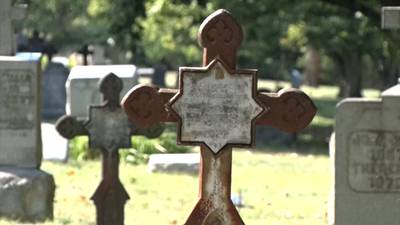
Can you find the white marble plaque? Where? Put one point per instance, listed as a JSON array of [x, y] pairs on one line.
[[374, 161], [216, 107]]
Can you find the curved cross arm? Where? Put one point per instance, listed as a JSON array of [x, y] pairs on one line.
[[69, 127], [145, 105], [290, 110]]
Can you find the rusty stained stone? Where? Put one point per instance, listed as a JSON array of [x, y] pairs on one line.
[[108, 129], [289, 110]]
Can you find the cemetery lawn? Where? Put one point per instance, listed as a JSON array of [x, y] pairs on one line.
[[277, 188]]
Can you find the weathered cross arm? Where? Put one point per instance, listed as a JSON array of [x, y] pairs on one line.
[[70, 127], [290, 109]]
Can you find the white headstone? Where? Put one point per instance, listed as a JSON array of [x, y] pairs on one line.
[[391, 17], [82, 85], [20, 140], [99, 57], [366, 161]]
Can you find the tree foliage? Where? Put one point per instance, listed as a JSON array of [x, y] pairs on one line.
[[277, 33], [170, 32]]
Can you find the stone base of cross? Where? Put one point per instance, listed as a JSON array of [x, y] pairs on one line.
[[217, 107]]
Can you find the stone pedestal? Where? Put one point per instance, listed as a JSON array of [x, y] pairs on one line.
[[26, 194]]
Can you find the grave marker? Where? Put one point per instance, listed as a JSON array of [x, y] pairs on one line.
[[85, 51], [82, 84], [20, 135], [54, 94], [217, 107], [391, 17], [26, 192], [8, 14], [366, 159], [108, 130]]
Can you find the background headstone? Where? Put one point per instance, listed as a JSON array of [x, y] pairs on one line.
[[99, 57], [26, 192], [20, 135], [159, 75], [366, 161], [82, 89], [53, 90], [391, 17]]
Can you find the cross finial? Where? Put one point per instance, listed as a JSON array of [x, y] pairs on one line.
[[111, 86], [221, 36]]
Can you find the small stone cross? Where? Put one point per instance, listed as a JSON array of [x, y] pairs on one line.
[[8, 14], [217, 107], [391, 17], [108, 129], [85, 51]]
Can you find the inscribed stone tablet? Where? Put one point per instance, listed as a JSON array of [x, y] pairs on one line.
[[216, 107], [374, 161], [19, 113], [365, 161]]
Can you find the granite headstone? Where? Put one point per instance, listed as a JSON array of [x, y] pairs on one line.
[[20, 113], [82, 90], [26, 192], [53, 90], [366, 161]]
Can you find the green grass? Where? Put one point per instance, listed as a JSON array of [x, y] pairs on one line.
[[278, 189]]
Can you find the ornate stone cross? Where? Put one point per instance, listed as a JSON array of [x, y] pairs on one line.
[[217, 107], [85, 51], [108, 129], [8, 14]]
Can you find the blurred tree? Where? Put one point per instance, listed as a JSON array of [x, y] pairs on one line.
[[120, 19], [170, 31], [277, 33], [65, 22], [348, 31]]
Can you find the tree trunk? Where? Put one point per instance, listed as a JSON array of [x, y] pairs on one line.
[[313, 66], [348, 70]]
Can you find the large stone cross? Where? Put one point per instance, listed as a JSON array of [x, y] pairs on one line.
[[108, 129], [8, 14], [217, 107], [391, 17]]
